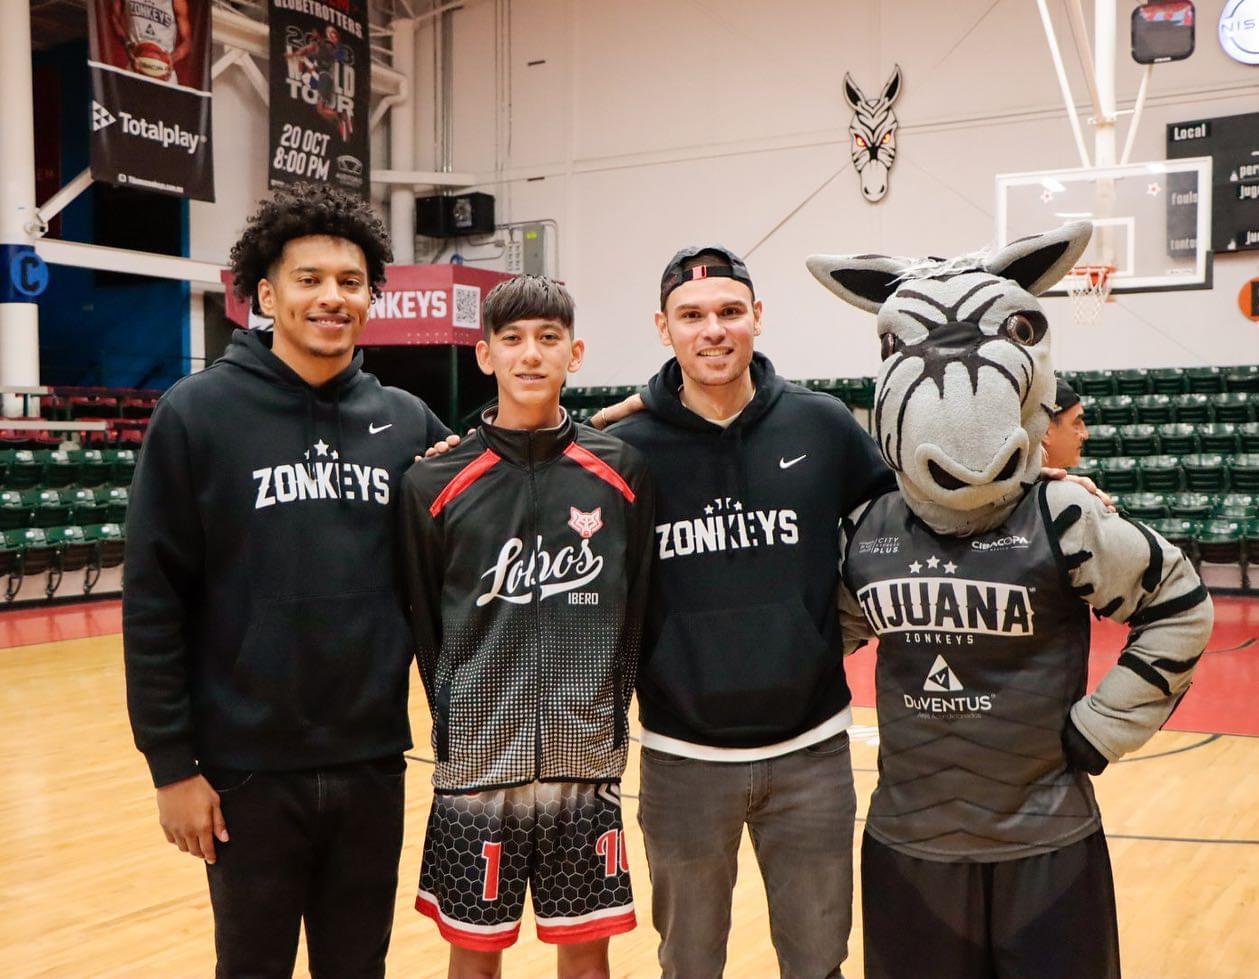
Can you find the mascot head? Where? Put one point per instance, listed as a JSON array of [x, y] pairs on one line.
[[966, 387]]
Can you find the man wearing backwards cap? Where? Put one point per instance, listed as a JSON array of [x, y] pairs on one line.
[[741, 693], [1067, 432]]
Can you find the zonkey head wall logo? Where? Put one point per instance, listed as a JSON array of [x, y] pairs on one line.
[[1239, 30]]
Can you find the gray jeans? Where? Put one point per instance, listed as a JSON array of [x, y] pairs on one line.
[[799, 809]]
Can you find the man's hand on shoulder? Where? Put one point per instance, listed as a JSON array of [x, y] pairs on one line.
[[612, 414], [444, 446], [191, 818]]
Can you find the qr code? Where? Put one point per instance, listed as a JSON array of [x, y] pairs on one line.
[[467, 307]]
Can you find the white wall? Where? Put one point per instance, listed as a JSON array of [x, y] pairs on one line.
[[660, 123], [666, 122]]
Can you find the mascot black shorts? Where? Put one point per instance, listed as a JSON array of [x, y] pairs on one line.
[[1044, 917]]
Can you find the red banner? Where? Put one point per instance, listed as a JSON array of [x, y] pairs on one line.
[[420, 304]]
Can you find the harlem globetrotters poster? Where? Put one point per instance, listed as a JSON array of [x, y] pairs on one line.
[[150, 67], [320, 92]]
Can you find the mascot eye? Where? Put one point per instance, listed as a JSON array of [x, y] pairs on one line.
[[1024, 328], [891, 344], [887, 138], [860, 141]]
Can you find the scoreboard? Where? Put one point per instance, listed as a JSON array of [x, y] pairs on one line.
[[1232, 142]]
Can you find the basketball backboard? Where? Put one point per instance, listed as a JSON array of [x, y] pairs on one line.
[[1152, 221]]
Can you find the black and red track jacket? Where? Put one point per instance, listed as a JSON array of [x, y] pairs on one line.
[[526, 557]]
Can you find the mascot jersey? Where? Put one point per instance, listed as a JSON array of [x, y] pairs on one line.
[[982, 650]]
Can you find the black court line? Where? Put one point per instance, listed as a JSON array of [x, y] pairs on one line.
[[1233, 649], [1174, 751]]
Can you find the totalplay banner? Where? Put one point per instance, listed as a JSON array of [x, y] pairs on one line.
[[320, 92], [150, 67]]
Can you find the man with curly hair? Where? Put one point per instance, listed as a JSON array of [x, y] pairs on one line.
[[267, 650]]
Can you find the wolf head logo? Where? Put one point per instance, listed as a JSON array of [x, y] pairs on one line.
[[586, 524]]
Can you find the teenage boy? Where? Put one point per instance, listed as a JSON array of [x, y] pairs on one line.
[[267, 650], [525, 552]]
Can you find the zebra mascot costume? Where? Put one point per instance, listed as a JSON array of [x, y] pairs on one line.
[[983, 853]]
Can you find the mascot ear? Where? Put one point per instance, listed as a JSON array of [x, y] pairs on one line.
[[852, 92], [1039, 261], [866, 281]]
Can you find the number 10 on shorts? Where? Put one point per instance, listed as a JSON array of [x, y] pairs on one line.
[[611, 846]]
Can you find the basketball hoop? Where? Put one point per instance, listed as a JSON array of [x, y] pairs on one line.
[[1089, 289]]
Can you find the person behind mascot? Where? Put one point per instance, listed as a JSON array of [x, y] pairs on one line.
[[983, 853]]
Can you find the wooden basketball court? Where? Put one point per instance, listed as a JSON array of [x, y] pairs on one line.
[[89, 887]]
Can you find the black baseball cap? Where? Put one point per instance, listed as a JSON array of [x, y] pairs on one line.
[[1064, 398], [728, 265]]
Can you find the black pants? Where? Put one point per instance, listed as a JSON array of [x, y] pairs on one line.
[[1045, 917], [319, 845]]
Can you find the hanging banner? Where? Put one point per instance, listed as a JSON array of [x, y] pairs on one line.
[[150, 67], [320, 93]]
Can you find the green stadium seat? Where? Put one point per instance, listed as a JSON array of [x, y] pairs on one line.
[[1160, 474], [1204, 472], [1220, 542], [122, 465], [37, 555], [1204, 380], [1178, 439], [1244, 473], [1235, 506], [25, 470], [1192, 408], [1248, 437], [61, 468], [88, 507], [1095, 384], [1145, 506], [1138, 440], [49, 507], [94, 470], [861, 391], [1117, 409], [1119, 474], [1218, 437], [1237, 407], [1153, 409], [1242, 378], [1092, 414], [1168, 380], [1178, 531], [116, 498], [1103, 441], [109, 540], [15, 512], [1134, 381], [1191, 506], [74, 551]]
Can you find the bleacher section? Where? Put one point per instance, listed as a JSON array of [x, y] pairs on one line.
[[63, 494], [1177, 448]]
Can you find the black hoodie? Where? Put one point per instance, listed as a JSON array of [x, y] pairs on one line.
[[742, 647], [263, 625]]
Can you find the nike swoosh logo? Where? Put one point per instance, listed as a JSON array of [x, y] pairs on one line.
[[788, 463], [377, 429]]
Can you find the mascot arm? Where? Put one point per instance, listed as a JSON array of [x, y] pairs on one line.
[[1130, 574], [853, 626]]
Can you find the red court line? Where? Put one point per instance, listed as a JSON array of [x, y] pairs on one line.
[[1225, 688], [31, 626]]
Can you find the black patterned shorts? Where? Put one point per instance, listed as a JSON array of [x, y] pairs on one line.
[[565, 840]]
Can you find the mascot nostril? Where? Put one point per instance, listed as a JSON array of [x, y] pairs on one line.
[[978, 578]]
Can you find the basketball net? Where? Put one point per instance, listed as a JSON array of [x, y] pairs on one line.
[[1089, 289]]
